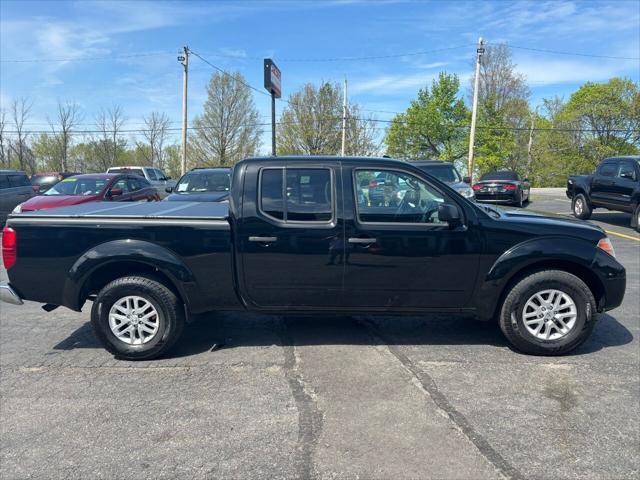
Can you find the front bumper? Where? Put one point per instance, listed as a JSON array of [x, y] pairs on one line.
[[9, 295]]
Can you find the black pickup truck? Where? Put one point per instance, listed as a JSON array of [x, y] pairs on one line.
[[300, 235], [614, 186]]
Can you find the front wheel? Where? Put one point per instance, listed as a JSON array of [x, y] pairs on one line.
[[548, 313], [581, 207], [635, 220], [137, 318]]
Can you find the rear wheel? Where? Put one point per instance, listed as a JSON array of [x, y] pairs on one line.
[[137, 318], [548, 313], [581, 207], [520, 200]]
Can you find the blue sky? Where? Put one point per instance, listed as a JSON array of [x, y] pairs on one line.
[[237, 35]]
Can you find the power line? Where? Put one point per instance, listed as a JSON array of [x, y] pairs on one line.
[[559, 52], [88, 59]]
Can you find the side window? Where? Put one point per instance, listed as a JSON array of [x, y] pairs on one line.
[[151, 173], [159, 174], [4, 182], [608, 169], [121, 184], [627, 170], [134, 184], [395, 197], [271, 193], [19, 181], [298, 195]]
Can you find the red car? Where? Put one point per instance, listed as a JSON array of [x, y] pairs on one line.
[[92, 188]]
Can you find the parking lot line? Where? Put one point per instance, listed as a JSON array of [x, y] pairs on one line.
[[623, 235]]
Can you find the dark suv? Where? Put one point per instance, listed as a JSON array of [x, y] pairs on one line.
[[15, 188]]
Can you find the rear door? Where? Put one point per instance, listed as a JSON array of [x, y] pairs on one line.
[[602, 186], [290, 237], [625, 182], [399, 254]]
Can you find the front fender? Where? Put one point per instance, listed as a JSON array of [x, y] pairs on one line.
[[525, 255], [127, 250]]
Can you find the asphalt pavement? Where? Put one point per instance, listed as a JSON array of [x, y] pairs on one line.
[[256, 396]]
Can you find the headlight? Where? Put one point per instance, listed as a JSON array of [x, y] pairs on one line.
[[18, 209], [605, 245]]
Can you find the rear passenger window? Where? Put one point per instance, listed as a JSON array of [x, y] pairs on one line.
[[305, 196], [4, 182], [607, 170], [19, 181]]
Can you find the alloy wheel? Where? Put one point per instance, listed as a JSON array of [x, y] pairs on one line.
[[549, 314], [134, 320]]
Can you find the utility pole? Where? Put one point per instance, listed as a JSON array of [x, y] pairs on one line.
[[184, 60], [474, 111], [344, 118]]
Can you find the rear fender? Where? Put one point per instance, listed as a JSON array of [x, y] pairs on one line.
[[137, 251], [546, 251]]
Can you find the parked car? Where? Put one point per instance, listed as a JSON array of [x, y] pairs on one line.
[[42, 182], [447, 172], [153, 175], [15, 188], [502, 186], [298, 237], [202, 185], [87, 188], [614, 186]]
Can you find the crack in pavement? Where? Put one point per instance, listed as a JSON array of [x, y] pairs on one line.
[[309, 415], [428, 384]]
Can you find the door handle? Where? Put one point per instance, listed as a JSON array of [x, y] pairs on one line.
[[362, 241], [263, 239]]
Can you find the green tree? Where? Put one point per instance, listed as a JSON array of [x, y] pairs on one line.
[[229, 129], [433, 125], [311, 124]]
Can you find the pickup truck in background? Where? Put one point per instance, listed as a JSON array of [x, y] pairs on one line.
[[154, 176], [300, 236], [615, 186]]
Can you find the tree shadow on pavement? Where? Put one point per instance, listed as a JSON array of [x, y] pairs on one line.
[[236, 330]]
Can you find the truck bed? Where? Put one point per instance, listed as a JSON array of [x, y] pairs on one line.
[[135, 210]]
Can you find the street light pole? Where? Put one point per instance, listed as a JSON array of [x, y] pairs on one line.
[[344, 118], [474, 110], [184, 60]]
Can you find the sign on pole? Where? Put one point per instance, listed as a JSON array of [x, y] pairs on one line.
[[272, 78], [272, 82]]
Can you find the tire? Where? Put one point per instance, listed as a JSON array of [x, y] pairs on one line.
[[520, 202], [516, 303], [635, 220], [581, 207], [138, 343]]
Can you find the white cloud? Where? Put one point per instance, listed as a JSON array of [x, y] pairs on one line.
[[553, 71]]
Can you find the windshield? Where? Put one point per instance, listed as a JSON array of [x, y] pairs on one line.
[[204, 182], [445, 173], [77, 186], [499, 176]]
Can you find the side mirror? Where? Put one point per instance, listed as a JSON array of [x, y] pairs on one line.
[[450, 214], [115, 192], [467, 180], [168, 189]]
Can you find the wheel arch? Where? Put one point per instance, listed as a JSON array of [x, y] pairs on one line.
[[569, 255], [108, 261]]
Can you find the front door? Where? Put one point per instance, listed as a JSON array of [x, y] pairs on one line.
[[401, 256], [291, 237], [626, 182]]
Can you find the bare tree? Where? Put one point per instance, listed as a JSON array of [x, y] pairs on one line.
[[68, 118], [499, 81], [228, 130], [20, 109], [109, 142], [4, 160], [155, 132]]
